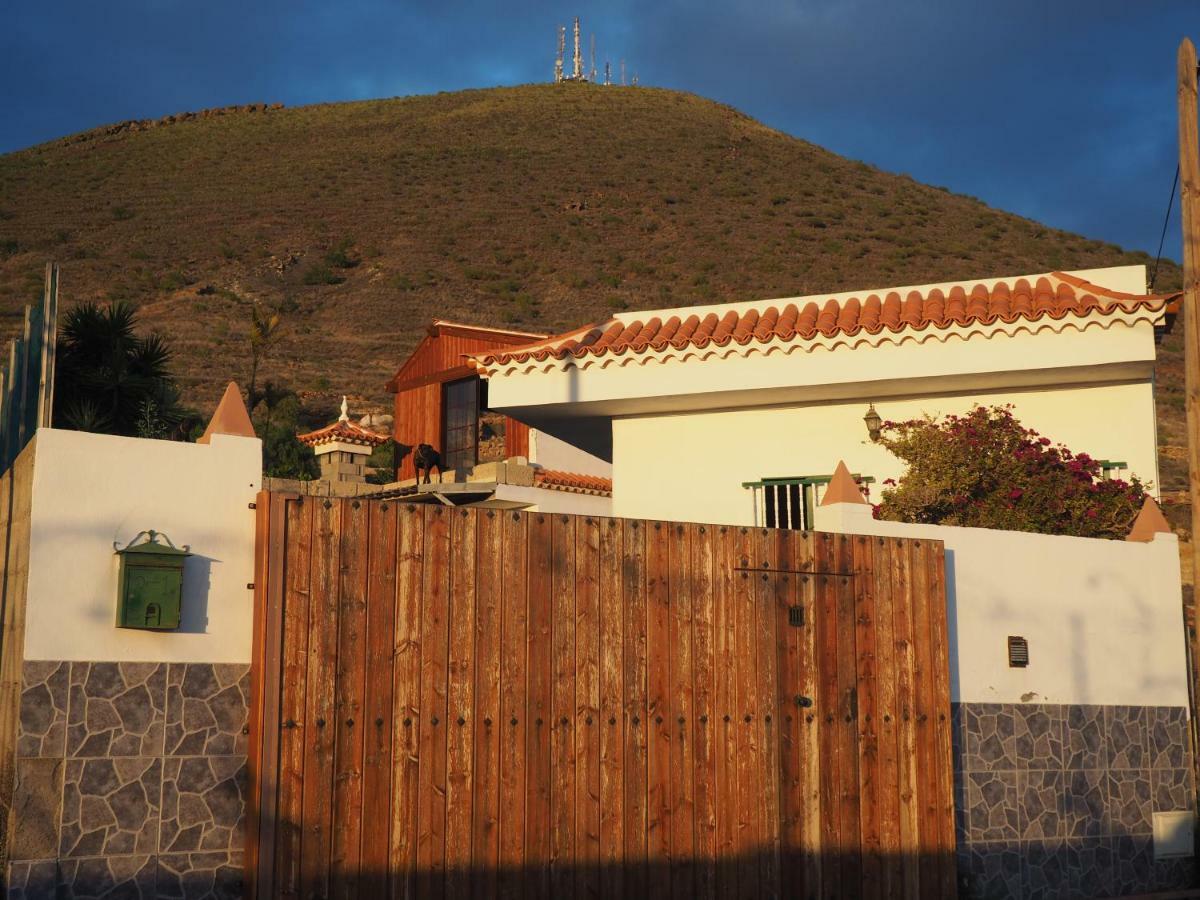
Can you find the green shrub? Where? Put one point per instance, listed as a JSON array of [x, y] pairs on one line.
[[318, 273], [987, 470]]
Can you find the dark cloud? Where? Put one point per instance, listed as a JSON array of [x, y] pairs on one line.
[[1061, 111]]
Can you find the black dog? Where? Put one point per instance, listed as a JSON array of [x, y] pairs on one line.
[[426, 459]]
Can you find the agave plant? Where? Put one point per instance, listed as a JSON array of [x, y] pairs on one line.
[[110, 379]]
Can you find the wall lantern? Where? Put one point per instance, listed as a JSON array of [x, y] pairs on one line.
[[150, 583], [874, 423]]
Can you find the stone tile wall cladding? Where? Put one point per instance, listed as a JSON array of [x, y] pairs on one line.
[[130, 780], [1056, 801]]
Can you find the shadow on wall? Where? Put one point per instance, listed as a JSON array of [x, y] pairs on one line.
[[197, 585], [764, 874]]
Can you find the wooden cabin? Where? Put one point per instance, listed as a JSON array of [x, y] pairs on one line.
[[442, 402]]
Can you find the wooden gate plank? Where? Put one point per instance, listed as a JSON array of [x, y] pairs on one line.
[[587, 707], [407, 717], [725, 708], [320, 723], [460, 703], [749, 757], [906, 706], [563, 708], [867, 725], [612, 709], [788, 713], [298, 556], [489, 582], [435, 636], [680, 711], [658, 709], [349, 691], [766, 731], [513, 700], [847, 723], [827, 708], [943, 762], [377, 709], [704, 711], [633, 590], [809, 720], [892, 885], [923, 675], [537, 753]]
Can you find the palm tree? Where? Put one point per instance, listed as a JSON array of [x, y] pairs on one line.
[[108, 378], [264, 327]]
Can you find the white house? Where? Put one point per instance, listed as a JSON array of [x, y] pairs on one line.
[[736, 413]]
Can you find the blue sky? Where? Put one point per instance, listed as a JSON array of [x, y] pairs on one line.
[[1060, 110]]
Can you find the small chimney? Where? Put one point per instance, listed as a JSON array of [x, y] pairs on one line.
[[342, 448]]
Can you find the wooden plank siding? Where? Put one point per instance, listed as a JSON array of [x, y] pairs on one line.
[[496, 703]]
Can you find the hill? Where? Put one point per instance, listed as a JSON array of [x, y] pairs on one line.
[[541, 206]]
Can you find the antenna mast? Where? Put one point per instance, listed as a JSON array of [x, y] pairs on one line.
[[558, 59], [593, 66], [577, 71], [622, 73], [607, 72]]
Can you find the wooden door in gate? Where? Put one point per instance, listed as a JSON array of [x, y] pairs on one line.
[[484, 702]]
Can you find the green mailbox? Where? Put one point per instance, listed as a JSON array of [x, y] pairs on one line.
[[150, 583]]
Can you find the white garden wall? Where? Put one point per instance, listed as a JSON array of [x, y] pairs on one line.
[[1104, 619], [91, 490]]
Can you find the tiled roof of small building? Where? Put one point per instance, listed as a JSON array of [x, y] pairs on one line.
[[345, 432], [1056, 296], [572, 482]]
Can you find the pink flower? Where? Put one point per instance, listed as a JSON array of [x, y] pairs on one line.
[[1015, 494]]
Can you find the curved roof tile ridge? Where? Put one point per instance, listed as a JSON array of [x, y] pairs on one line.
[[1054, 296]]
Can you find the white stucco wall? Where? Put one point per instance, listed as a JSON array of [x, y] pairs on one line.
[[549, 452], [691, 466], [90, 490], [1104, 619]]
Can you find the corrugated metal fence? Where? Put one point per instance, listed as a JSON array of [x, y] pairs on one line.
[[487, 702]]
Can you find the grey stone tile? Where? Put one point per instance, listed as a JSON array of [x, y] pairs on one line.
[[200, 876], [990, 871], [1044, 873], [107, 878], [1129, 801], [1168, 737], [34, 879], [1089, 865], [1171, 789], [1039, 736], [1133, 864], [1041, 798], [42, 728], [117, 709], [1085, 803], [989, 737], [992, 812], [1127, 728], [1084, 738], [111, 806], [204, 803], [206, 709], [37, 808]]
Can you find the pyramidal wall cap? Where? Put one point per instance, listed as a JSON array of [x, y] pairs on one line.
[[230, 417], [1149, 522], [842, 488]]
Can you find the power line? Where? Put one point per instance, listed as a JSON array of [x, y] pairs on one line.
[[1166, 220]]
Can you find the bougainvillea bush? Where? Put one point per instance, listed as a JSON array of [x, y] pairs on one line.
[[987, 470]]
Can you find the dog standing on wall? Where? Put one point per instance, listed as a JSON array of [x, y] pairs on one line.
[[426, 459]]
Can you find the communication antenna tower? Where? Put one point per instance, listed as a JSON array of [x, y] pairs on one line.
[[577, 71], [607, 72], [622, 73], [634, 81], [558, 60], [593, 65]]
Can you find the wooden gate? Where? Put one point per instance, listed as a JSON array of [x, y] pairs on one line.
[[486, 702]]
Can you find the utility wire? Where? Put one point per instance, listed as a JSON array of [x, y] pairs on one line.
[[1162, 237]]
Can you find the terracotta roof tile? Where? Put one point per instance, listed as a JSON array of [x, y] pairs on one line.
[[344, 431], [573, 482], [1055, 296]]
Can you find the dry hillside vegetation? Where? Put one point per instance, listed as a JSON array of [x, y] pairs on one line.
[[542, 206]]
